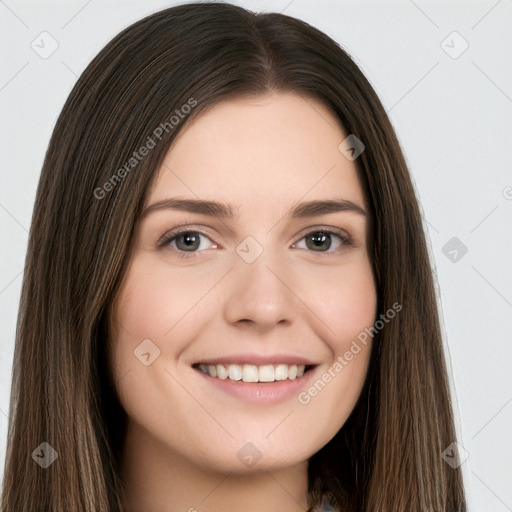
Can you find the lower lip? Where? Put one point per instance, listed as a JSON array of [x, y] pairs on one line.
[[262, 392]]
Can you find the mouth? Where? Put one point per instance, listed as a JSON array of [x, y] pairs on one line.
[[251, 373]]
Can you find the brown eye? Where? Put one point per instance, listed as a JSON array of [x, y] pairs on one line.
[[321, 241], [191, 241], [184, 241]]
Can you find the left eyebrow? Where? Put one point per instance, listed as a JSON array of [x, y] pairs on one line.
[[225, 210], [314, 208]]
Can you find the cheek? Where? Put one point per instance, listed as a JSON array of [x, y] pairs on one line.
[[346, 301], [160, 304], [154, 314], [348, 307], [143, 310], [154, 299]]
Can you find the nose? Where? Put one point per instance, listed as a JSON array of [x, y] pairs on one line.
[[261, 293]]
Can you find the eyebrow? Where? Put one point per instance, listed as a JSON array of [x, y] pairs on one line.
[[225, 210]]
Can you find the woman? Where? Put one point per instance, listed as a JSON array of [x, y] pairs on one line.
[[292, 360]]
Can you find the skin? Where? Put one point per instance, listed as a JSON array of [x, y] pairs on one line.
[[263, 155]]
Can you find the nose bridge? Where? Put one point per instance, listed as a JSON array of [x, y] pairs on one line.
[[259, 290]]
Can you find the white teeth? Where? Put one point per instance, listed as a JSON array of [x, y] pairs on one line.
[[235, 372], [253, 373], [266, 373], [222, 373], [281, 372], [250, 373]]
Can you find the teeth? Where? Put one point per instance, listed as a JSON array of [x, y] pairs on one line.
[[222, 373], [281, 372], [234, 371], [249, 373], [266, 373], [253, 373]]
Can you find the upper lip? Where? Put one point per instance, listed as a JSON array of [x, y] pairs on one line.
[[258, 359]]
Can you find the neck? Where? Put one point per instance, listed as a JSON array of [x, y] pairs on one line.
[[157, 479]]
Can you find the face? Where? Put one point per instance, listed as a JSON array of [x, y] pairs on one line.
[[262, 295]]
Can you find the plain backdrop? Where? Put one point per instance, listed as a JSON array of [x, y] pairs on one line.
[[444, 74]]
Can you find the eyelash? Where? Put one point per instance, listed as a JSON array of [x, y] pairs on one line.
[[172, 235]]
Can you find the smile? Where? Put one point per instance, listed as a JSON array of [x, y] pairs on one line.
[[254, 373]]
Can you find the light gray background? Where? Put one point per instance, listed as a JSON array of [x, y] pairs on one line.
[[453, 117]]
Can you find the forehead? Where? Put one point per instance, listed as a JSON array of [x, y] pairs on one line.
[[262, 151]]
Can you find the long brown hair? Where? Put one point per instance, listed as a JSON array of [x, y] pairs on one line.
[[388, 455]]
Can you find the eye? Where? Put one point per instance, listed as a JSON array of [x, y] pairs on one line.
[[184, 241], [321, 239]]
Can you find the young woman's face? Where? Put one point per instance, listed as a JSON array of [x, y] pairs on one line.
[[259, 292]]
